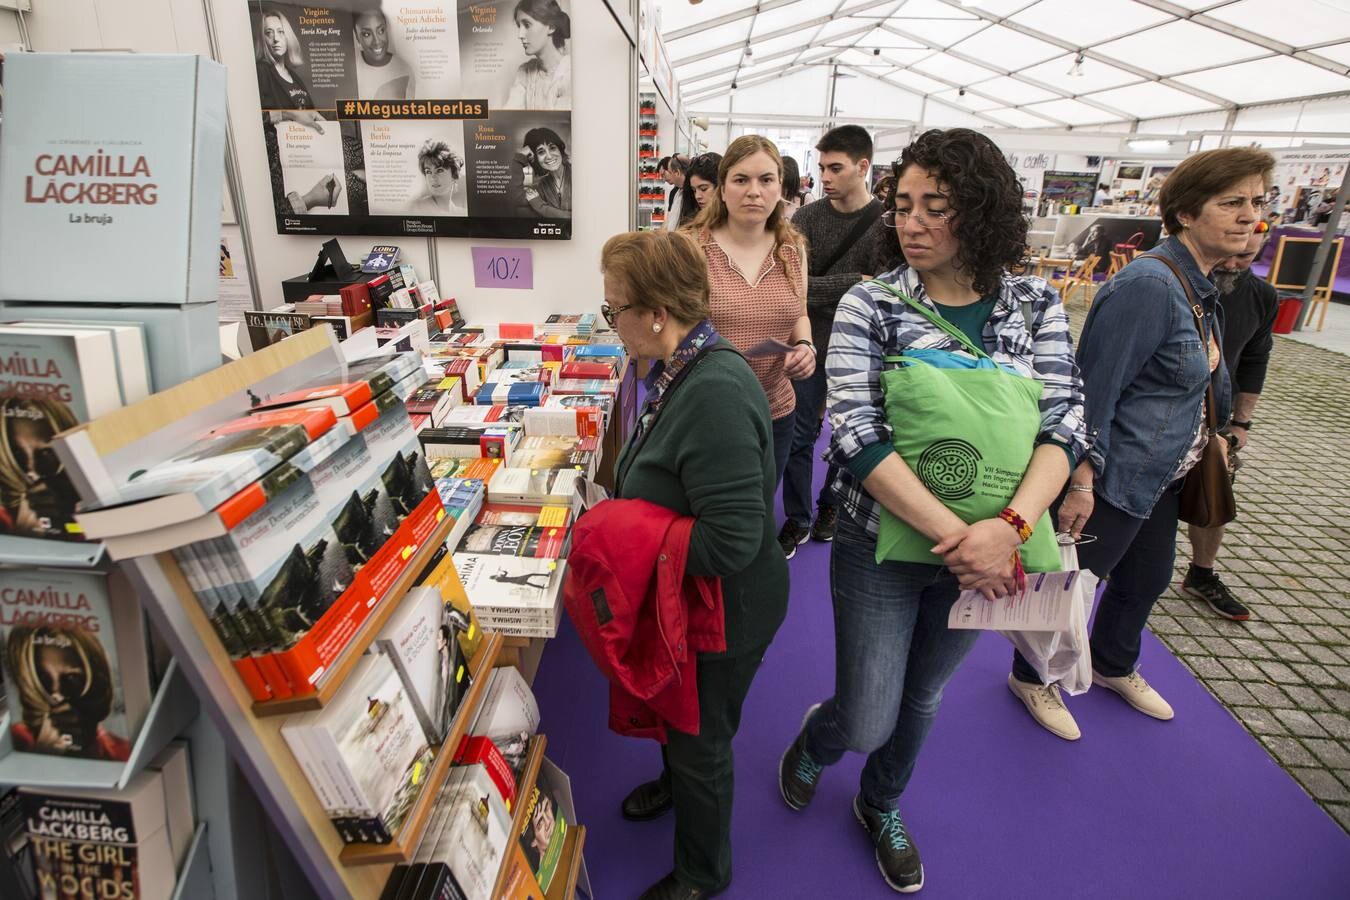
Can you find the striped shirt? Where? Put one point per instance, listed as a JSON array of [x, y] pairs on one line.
[[872, 323], [750, 308]]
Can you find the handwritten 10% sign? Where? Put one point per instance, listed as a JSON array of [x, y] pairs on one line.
[[503, 267]]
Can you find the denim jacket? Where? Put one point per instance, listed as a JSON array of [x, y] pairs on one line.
[[1145, 368]]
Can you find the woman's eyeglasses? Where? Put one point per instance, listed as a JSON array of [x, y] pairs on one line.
[[611, 313], [893, 218]]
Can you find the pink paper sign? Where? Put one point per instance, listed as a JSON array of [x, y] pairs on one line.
[[503, 267]]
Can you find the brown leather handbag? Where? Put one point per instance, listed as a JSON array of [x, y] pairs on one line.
[[1207, 489]]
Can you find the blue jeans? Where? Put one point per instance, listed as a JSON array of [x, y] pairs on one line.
[[1134, 557], [801, 459], [782, 443], [894, 654]]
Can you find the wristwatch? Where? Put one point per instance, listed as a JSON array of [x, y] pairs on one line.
[[1245, 426]]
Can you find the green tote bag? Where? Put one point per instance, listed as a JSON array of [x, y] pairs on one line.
[[969, 435]]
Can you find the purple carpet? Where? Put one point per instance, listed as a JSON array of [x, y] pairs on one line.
[[998, 807]]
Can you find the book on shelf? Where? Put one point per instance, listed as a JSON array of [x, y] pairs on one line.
[[470, 441], [95, 843], [524, 531], [176, 777], [602, 386], [532, 353], [212, 469], [365, 753], [420, 641], [432, 401], [499, 415], [564, 420], [268, 327], [511, 393], [546, 822], [462, 498], [585, 351], [481, 751], [459, 613], [467, 370], [128, 342], [479, 468], [76, 670], [588, 369], [476, 832], [347, 388], [54, 380], [17, 874], [537, 487], [510, 590], [519, 882], [558, 452], [509, 715]]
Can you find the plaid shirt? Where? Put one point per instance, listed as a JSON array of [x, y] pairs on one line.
[[872, 323]]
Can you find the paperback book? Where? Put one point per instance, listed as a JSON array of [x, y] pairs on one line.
[[350, 387], [51, 382], [75, 662]]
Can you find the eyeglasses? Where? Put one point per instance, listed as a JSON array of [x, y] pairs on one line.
[[612, 312], [893, 218]]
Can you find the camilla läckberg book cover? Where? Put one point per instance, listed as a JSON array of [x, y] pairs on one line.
[[104, 155], [75, 663], [48, 383]]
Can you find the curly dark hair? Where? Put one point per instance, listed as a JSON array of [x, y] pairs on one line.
[[985, 196]]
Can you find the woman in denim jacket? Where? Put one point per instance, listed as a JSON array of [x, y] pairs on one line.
[[1145, 368]]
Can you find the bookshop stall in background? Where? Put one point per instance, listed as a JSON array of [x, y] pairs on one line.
[[274, 593]]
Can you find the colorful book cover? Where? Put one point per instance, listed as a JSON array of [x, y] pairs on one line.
[[266, 328], [230, 456], [75, 662], [48, 383], [528, 587], [545, 829]]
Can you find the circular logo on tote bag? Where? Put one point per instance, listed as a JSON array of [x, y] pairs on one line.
[[948, 468]]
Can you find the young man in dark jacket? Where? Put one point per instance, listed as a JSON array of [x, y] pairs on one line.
[[839, 237]]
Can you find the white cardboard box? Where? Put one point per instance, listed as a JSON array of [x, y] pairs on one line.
[[111, 166]]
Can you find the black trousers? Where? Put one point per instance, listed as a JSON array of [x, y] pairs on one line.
[[1134, 557], [700, 771]]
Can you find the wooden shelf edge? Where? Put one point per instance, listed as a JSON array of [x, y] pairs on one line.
[[364, 637], [534, 758], [566, 888], [403, 847]]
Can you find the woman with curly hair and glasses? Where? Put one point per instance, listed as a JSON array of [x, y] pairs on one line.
[[954, 225]]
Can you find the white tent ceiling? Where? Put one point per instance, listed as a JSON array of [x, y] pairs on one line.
[[1027, 63]]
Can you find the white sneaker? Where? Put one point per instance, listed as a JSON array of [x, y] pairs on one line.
[[1046, 707], [1136, 692]]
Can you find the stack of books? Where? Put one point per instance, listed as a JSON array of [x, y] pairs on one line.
[[336, 498], [512, 566]]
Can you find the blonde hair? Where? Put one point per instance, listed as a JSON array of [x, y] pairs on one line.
[[293, 56], [54, 414], [660, 270], [715, 215]]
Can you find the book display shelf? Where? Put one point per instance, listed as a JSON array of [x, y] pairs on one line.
[[141, 434]]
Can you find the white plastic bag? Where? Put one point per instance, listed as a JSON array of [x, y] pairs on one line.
[[1062, 656]]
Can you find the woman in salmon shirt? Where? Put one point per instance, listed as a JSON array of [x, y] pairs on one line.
[[758, 283]]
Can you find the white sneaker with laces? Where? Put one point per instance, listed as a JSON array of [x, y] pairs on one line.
[[1136, 692], [1046, 707]]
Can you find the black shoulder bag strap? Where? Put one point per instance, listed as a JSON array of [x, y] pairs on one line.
[[859, 229], [720, 344]]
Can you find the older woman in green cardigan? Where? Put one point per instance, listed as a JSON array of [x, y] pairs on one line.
[[703, 447]]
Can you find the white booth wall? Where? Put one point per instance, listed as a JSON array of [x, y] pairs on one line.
[[566, 273]]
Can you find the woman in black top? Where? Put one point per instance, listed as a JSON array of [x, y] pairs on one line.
[[278, 51]]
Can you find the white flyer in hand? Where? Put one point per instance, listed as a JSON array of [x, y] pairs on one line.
[[769, 347], [1044, 605]]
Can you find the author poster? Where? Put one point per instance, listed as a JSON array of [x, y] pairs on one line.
[[448, 119]]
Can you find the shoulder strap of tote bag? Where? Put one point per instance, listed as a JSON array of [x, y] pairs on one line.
[[1211, 417], [955, 333], [855, 234]]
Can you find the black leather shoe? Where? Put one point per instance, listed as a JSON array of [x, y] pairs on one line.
[[649, 800], [669, 888]]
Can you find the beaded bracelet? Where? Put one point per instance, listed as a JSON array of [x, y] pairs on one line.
[[1016, 521]]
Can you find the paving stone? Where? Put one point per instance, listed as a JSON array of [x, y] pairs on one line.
[[1207, 667], [1322, 784], [1184, 644], [1244, 669], [1322, 654], [1339, 698], [1231, 693], [1299, 722], [1278, 672], [1334, 754], [1315, 675], [1289, 752], [1341, 673], [1259, 720], [1335, 724], [1305, 697], [1267, 694]]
